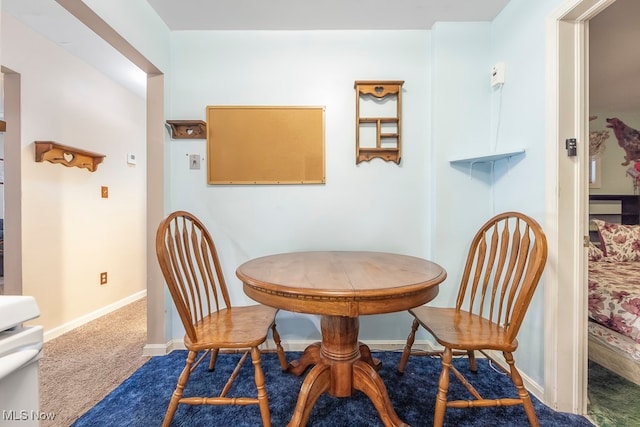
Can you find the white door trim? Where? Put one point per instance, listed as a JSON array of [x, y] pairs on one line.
[[565, 364]]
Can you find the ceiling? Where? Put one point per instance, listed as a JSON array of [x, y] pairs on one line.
[[614, 47], [51, 20], [614, 58], [320, 15]]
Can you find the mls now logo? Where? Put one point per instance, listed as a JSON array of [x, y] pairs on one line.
[[27, 415], [15, 415]]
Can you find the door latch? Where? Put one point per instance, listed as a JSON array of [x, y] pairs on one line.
[[572, 146]]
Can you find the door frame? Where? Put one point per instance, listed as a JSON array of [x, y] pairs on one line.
[[12, 87], [566, 221]]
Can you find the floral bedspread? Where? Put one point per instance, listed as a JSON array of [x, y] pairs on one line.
[[614, 296], [623, 345]]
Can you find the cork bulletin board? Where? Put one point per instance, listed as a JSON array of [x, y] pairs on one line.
[[265, 145]]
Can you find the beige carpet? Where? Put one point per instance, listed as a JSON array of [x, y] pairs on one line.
[[82, 366]]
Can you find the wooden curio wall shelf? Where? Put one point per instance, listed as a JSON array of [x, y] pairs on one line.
[[188, 129], [67, 156], [378, 120]]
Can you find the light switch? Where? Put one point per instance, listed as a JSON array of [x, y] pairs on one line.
[[194, 161], [131, 159]]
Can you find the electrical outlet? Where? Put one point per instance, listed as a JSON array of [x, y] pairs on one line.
[[103, 278], [104, 192]]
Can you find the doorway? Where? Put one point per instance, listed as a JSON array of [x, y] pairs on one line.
[[613, 92], [565, 291], [11, 179], [3, 128]]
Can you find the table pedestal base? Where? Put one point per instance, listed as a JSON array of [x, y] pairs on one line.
[[311, 356], [342, 365]]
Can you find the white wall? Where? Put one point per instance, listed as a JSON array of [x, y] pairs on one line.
[[70, 234], [472, 118], [374, 205], [461, 127], [518, 39]]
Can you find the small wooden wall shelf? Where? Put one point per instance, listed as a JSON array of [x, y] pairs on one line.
[[188, 129], [67, 156], [378, 116]]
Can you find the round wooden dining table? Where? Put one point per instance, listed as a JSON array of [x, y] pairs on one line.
[[340, 286]]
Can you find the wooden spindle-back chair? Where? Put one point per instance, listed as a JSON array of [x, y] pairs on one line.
[[504, 264], [191, 268]]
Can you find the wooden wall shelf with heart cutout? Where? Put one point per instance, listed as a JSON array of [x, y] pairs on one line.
[[67, 156], [378, 120], [188, 129]]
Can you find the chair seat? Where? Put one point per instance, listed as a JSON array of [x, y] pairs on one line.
[[460, 329], [238, 327]]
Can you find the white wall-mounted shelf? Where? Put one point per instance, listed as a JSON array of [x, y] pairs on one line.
[[488, 157]]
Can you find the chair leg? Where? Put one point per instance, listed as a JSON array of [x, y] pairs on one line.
[[177, 393], [279, 350], [443, 388], [473, 367], [214, 357], [263, 402], [522, 391], [407, 347]]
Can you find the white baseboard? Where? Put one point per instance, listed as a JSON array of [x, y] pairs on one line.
[[155, 350], [66, 327], [163, 349], [374, 345], [292, 345]]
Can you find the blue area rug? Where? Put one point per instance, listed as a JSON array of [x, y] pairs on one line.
[[142, 399]]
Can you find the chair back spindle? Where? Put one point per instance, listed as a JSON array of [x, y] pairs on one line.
[[506, 259], [190, 264]]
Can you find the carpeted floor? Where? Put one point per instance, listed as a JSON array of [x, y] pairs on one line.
[[613, 401], [82, 366], [142, 399]]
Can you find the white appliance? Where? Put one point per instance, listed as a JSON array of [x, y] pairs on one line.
[[20, 351]]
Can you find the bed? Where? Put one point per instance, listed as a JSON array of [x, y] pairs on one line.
[[614, 298]]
